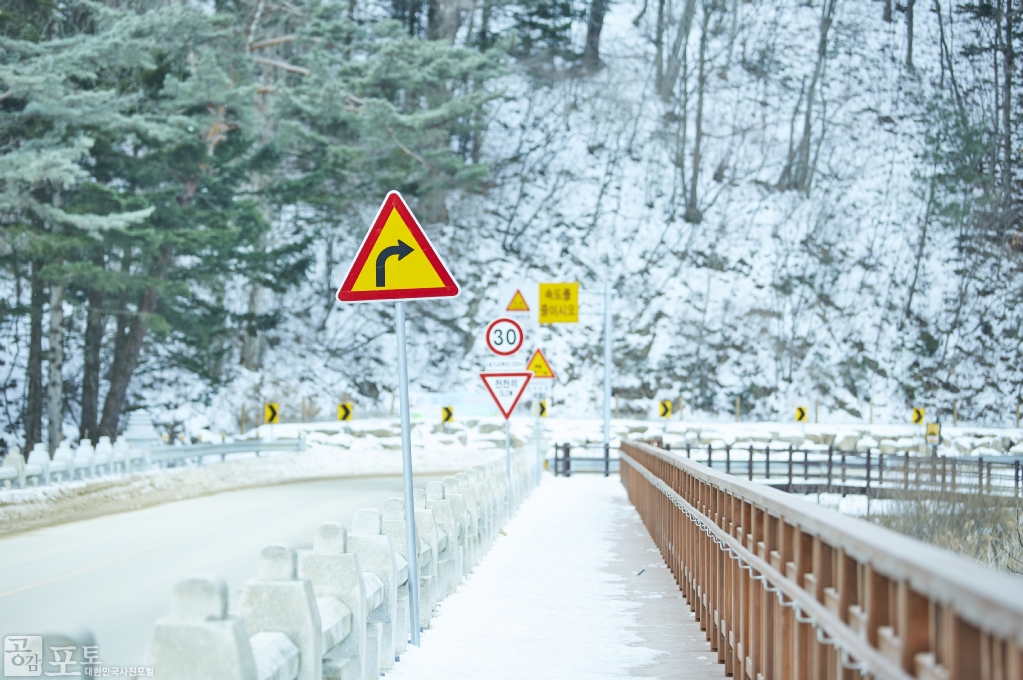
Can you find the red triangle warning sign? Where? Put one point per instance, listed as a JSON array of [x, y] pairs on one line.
[[506, 389], [538, 365], [396, 260], [518, 303]]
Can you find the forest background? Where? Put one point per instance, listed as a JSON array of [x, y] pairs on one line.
[[792, 200]]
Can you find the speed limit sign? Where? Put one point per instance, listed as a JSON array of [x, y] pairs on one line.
[[504, 337]]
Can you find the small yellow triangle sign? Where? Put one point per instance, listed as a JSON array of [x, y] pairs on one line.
[[539, 366], [518, 303]]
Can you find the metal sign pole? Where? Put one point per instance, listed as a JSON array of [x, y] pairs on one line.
[[539, 462], [507, 461], [607, 365], [411, 539]]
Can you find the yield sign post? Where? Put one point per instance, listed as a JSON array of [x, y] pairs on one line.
[[506, 390], [396, 261]]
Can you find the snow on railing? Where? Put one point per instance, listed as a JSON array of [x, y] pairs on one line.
[[118, 459], [339, 609]]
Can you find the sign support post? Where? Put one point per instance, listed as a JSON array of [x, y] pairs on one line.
[[507, 462], [388, 268], [607, 367], [539, 463], [411, 537]]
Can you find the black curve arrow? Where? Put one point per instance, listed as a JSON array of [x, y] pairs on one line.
[[273, 412], [800, 414], [345, 412], [664, 409], [543, 409], [449, 414], [401, 250]]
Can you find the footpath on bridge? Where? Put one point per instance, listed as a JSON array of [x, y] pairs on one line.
[[575, 588]]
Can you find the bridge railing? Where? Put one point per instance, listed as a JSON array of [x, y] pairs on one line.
[[788, 590], [870, 472], [339, 609]]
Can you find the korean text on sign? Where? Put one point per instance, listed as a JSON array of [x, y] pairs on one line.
[[559, 302]]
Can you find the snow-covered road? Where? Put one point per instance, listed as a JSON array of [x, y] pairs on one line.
[[113, 574], [561, 596]]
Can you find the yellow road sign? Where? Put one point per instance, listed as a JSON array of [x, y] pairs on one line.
[[518, 303], [447, 414], [933, 433], [542, 407], [271, 412], [918, 416], [801, 412], [396, 261], [539, 366], [559, 302], [345, 410], [665, 411]]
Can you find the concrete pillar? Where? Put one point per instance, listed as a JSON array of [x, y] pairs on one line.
[[275, 601]]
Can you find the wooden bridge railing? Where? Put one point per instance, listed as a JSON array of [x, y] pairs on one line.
[[788, 590]]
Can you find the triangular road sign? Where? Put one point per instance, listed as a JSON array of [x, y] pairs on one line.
[[518, 303], [396, 260], [506, 389], [539, 366]]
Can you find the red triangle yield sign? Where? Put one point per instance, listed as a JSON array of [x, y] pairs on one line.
[[396, 260], [506, 389]]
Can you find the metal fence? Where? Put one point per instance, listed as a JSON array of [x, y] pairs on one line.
[[564, 462], [787, 590], [867, 472]]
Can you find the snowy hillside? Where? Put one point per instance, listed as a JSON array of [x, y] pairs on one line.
[[840, 291]]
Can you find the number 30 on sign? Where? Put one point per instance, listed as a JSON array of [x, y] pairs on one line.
[[504, 337]]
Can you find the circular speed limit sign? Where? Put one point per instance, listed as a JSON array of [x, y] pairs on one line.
[[504, 337]]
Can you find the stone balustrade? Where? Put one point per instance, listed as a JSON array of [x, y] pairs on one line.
[[338, 611]]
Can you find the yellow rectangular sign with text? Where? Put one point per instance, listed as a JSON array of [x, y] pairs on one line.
[[559, 302]]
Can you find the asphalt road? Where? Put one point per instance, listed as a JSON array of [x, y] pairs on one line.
[[113, 575]]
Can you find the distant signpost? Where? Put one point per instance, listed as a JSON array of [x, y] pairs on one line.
[[271, 412], [801, 414], [665, 411], [447, 414], [345, 410], [918, 416]]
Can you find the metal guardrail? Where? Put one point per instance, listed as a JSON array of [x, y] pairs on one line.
[[787, 590], [87, 462], [564, 463], [867, 472], [165, 454]]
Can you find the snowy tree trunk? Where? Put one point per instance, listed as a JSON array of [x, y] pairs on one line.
[[1007, 104], [125, 363], [91, 365], [675, 56], [252, 344], [55, 369], [591, 53], [34, 402], [693, 214]]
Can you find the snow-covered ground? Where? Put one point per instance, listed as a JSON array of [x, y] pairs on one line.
[[543, 603]]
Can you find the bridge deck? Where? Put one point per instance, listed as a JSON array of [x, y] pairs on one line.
[[562, 596]]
